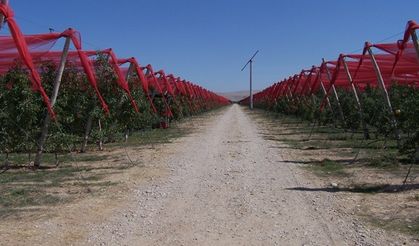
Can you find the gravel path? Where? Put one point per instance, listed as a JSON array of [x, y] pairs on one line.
[[229, 186]]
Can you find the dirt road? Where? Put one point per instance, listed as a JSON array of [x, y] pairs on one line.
[[227, 183], [229, 186]]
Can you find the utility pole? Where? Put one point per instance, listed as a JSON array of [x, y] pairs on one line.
[[250, 62]]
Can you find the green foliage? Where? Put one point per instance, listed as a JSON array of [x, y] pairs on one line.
[[376, 115], [20, 110], [23, 113], [328, 167]]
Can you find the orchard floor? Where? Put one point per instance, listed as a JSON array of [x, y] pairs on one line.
[[226, 183]]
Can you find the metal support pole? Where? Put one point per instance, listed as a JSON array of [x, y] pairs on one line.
[[327, 96], [358, 102], [328, 101], [251, 92], [335, 93], [385, 95], [55, 90], [130, 69], [127, 76], [415, 42], [289, 92]]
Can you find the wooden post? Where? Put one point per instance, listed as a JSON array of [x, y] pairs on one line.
[[385, 95], [358, 102], [56, 88], [335, 93]]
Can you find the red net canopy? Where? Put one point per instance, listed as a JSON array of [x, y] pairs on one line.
[[388, 62], [31, 51], [82, 59], [156, 89], [141, 78], [39, 49], [366, 68], [22, 49], [164, 83], [175, 84]]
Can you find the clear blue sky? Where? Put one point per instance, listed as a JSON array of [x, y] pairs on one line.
[[208, 42]]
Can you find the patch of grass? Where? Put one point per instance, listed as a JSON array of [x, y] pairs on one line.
[[297, 144], [385, 161], [317, 144], [154, 136], [328, 167], [36, 176], [22, 197], [407, 226], [413, 228], [368, 188], [338, 136], [96, 184], [49, 158], [21, 190], [83, 157], [328, 130]]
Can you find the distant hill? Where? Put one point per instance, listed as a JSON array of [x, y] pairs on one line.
[[236, 96]]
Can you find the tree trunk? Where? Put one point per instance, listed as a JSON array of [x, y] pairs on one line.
[[126, 135], [56, 159], [100, 135], [6, 161], [87, 133], [41, 142]]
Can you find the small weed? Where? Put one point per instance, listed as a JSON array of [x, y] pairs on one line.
[[386, 161], [408, 226], [328, 167]]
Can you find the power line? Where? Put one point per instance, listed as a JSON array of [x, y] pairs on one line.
[[49, 27], [24, 19], [379, 41]]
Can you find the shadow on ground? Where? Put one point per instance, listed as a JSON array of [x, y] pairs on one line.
[[367, 188]]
